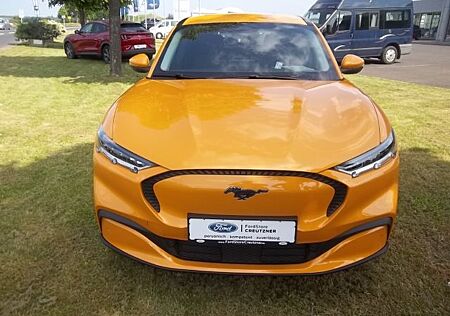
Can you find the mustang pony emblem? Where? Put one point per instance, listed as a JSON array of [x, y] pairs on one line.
[[244, 194]]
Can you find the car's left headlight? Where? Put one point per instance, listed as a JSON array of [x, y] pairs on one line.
[[119, 155], [373, 159]]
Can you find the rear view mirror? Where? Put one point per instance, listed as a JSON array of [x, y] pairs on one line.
[[351, 64], [140, 63]]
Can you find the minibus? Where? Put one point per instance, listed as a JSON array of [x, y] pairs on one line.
[[367, 28]]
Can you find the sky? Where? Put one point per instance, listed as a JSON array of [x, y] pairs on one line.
[[294, 7]]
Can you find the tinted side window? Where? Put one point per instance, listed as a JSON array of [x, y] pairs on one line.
[[87, 28], [395, 19], [362, 21], [99, 28], [345, 20]]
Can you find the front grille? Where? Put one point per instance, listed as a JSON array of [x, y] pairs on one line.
[[212, 251], [340, 189], [269, 253]]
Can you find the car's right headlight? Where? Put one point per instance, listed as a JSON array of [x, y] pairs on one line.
[[373, 159], [119, 155]]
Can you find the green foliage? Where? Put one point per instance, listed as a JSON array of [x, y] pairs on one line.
[[37, 29]]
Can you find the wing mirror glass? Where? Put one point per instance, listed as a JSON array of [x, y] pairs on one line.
[[351, 64], [77, 31], [140, 63]]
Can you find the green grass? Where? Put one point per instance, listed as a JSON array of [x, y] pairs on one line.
[[52, 260]]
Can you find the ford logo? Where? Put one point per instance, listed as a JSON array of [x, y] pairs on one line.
[[222, 227]]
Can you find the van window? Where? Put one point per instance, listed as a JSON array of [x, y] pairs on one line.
[[366, 20], [362, 21], [374, 20], [345, 20], [341, 21], [395, 19]]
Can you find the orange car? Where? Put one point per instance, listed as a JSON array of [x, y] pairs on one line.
[[244, 150]]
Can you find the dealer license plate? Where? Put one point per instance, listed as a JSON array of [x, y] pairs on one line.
[[140, 46], [245, 230]]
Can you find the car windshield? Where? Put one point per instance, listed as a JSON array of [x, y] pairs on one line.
[[246, 50], [319, 17]]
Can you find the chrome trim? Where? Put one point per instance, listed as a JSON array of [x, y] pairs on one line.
[[386, 36], [373, 166], [366, 48], [338, 48], [104, 143], [350, 167]]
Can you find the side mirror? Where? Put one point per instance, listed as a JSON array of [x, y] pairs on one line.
[[351, 64], [77, 32], [140, 63]]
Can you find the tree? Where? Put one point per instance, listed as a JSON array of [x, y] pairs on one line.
[[114, 31], [83, 7]]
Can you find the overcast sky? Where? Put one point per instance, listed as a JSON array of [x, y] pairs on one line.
[[295, 7]]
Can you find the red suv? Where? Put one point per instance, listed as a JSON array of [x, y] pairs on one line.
[[93, 39]]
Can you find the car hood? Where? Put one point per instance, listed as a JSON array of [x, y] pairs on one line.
[[246, 124]]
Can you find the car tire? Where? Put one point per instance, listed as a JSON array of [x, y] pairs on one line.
[[159, 36], [70, 52], [106, 54], [389, 55]]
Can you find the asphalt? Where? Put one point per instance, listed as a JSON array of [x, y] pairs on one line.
[[6, 38], [427, 64]]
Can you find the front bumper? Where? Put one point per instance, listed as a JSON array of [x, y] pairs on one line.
[[355, 232]]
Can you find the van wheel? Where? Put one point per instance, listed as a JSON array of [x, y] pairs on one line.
[[159, 35], [106, 56], [68, 49], [389, 55]]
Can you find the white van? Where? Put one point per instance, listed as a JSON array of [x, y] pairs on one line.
[[163, 28]]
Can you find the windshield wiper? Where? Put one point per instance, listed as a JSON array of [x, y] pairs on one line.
[[282, 77], [178, 76], [253, 76]]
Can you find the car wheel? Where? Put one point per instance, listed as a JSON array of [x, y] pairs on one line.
[[389, 55], [106, 54], [68, 49], [159, 35]]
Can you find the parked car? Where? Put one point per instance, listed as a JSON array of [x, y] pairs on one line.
[[163, 28], [245, 150], [93, 39], [4, 24], [150, 22]]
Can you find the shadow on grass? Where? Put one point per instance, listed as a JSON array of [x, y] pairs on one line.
[[51, 241], [82, 70]]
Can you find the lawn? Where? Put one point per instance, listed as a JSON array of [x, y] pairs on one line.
[[52, 259]]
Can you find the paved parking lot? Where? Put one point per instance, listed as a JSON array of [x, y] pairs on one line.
[[6, 38], [428, 64]]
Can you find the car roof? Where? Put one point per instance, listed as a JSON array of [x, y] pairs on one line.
[[243, 18]]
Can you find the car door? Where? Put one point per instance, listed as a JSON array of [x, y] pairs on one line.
[[99, 35], [81, 41], [365, 41], [339, 34]]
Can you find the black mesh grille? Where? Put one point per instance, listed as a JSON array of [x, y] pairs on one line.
[[269, 253], [340, 190]]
